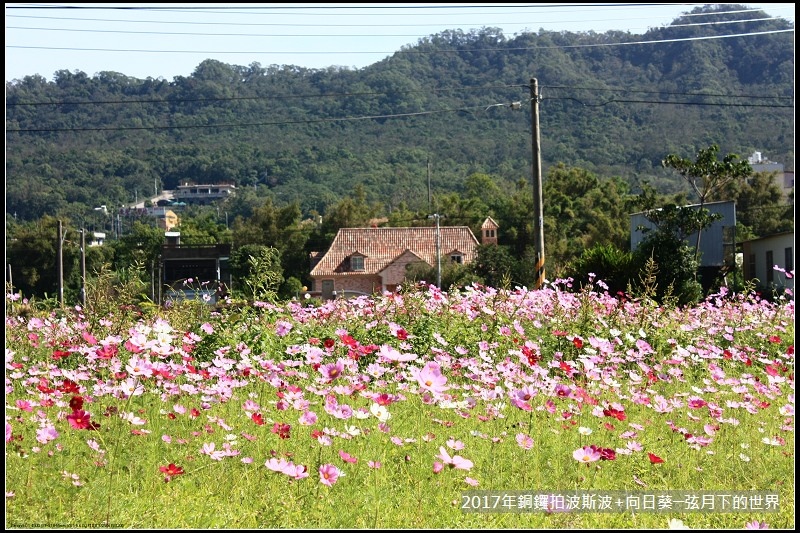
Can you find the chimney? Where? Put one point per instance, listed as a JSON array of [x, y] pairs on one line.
[[489, 231]]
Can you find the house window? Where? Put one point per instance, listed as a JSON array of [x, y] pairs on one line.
[[751, 265], [357, 262], [787, 259], [457, 258], [770, 264]]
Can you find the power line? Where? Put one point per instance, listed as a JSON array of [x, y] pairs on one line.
[[409, 52], [384, 93], [716, 104], [254, 124], [349, 119]]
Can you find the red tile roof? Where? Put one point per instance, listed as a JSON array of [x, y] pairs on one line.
[[381, 246]]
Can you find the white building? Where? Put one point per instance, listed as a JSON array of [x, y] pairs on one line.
[[760, 256]]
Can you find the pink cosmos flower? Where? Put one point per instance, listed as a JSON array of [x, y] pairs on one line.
[[329, 474], [24, 405], [308, 418], [454, 462], [455, 444], [8, 432], [277, 465], [525, 441], [388, 353], [282, 328], [346, 457], [587, 454], [470, 481], [296, 471], [430, 378], [755, 524], [43, 435]]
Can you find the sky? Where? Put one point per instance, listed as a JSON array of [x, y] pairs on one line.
[[167, 40]]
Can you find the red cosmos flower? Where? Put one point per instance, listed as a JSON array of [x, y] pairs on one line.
[[60, 354], [606, 454], [76, 403], [654, 459], [726, 354], [774, 339], [348, 340], [106, 352], [577, 342], [80, 419], [43, 387], [402, 334], [329, 343], [282, 430], [315, 434], [532, 357], [615, 413], [171, 470], [559, 333], [194, 413], [790, 349], [258, 419], [69, 387]]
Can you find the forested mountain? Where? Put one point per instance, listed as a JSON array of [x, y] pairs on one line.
[[436, 111]]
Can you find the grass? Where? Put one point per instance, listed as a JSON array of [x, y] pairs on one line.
[[709, 389]]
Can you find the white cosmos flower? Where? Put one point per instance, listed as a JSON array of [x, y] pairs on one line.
[[352, 430], [132, 419], [380, 412]]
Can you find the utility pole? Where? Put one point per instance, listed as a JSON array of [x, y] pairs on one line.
[[437, 216], [60, 264], [538, 232], [83, 267], [429, 184]]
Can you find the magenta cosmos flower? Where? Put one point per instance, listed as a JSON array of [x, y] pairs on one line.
[[331, 371], [430, 378]]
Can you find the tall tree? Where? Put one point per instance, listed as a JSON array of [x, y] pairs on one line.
[[707, 176]]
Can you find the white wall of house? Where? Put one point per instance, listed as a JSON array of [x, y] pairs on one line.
[[761, 255]]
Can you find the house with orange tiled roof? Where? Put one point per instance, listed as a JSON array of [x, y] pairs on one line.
[[373, 260]]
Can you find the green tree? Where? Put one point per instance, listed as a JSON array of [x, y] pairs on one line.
[[676, 261], [708, 177], [494, 264], [257, 270], [761, 206], [609, 264]]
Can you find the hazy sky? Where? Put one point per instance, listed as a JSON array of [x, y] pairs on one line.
[[167, 40]]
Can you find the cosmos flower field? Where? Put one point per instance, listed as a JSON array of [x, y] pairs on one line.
[[382, 412]]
